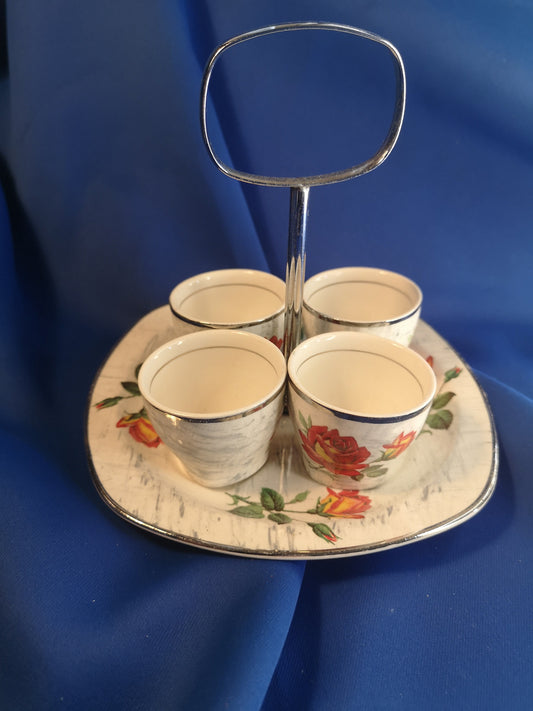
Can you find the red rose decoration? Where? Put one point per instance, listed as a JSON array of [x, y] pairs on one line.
[[344, 504], [322, 530], [140, 428], [339, 455], [276, 341], [399, 445]]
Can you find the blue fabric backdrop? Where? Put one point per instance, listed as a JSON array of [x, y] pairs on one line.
[[109, 199]]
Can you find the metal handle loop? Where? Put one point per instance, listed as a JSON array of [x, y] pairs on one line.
[[323, 178], [299, 186]]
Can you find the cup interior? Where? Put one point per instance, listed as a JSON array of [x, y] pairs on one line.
[[228, 297], [362, 375], [212, 374], [362, 295]]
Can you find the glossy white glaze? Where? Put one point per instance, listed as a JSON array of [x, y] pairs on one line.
[[448, 477], [382, 302], [245, 299], [357, 401], [215, 396]]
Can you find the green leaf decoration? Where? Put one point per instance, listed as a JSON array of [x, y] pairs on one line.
[[451, 374], [442, 400], [375, 470], [131, 387], [439, 420], [359, 475], [302, 496], [250, 511], [236, 499], [108, 402], [323, 531], [302, 420], [280, 518], [271, 500], [318, 508], [131, 417]]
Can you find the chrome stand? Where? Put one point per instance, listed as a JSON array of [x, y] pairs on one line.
[[299, 194]]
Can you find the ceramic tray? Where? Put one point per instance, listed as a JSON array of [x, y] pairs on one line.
[[279, 512]]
